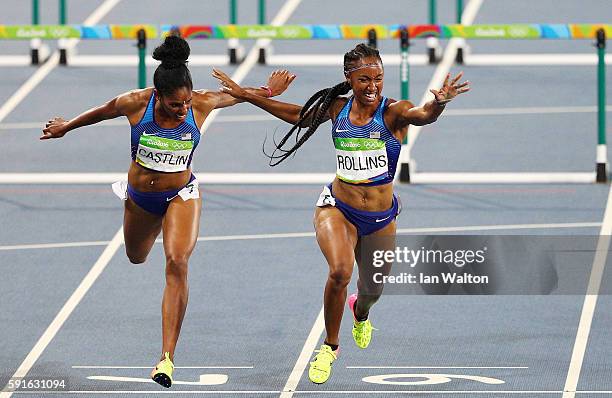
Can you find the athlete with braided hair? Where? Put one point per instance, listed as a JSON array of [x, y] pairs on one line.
[[367, 130], [161, 194]]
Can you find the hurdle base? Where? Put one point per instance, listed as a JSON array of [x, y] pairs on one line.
[[431, 53], [460, 59], [405, 173], [34, 56], [233, 56], [63, 58], [39, 52], [434, 51], [261, 59], [602, 173], [235, 51]]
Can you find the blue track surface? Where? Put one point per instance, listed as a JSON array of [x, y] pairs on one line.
[[256, 293]]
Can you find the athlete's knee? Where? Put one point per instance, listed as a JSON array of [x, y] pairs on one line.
[[135, 257], [176, 266], [340, 276]]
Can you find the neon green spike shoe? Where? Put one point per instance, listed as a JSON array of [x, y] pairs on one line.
[[162, 373], [362, 331], [320, 368]]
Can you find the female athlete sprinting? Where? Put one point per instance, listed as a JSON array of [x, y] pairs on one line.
[[161, 194], [367, 132]]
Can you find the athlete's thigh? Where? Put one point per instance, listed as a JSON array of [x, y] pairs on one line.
[[140, 229], [181, 226], [336, 236]]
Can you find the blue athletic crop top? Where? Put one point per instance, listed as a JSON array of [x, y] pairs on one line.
[[160, 149], [365, 155]]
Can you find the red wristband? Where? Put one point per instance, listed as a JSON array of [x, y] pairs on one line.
[[268, 89]]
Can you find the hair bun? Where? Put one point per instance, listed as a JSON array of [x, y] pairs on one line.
[[173, 52]]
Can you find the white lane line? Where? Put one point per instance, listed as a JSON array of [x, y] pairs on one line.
[[99, 266], [437, 367], [251, 59], [15, 60], [97, 15], [111, 60], [312, 234], [590, 302], [304, 358], [503, 178], [448, 59], [534, 59], [317, 392], [61, 178], [149, 367], [133, 60], [469, 60], [67, 309], [54, 245], [543, 110], [51, 63], [123, 122], [27, 87], [205, 380], [522, 111], [498, 227], [203, 178], [309, 178], [147, 393]]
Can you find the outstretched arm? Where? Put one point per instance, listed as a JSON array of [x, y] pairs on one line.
[[118, 106], [290, 113], [406, 113], [278, 82]]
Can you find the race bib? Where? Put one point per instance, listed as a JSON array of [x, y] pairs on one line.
[[191, 191], [361, 160], [163, 154]]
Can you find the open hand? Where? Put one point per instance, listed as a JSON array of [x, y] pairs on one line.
[[450, 91], [279, 81], [55, 128], [228, 85]]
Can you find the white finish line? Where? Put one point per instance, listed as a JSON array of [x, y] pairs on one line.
[[204, 380], [319, 392]]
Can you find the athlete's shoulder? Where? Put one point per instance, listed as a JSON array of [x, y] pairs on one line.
[[134, 100], [204, 95], [337, 105], [201, 99], [342, 100]]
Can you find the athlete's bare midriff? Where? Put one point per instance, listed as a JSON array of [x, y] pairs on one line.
[[145, 180], [366, 198]]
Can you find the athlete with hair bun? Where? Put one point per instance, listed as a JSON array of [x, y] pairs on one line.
[[161, 194], [367, 131]]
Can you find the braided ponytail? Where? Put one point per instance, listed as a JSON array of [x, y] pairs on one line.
[[319, 103], [317, 106]]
